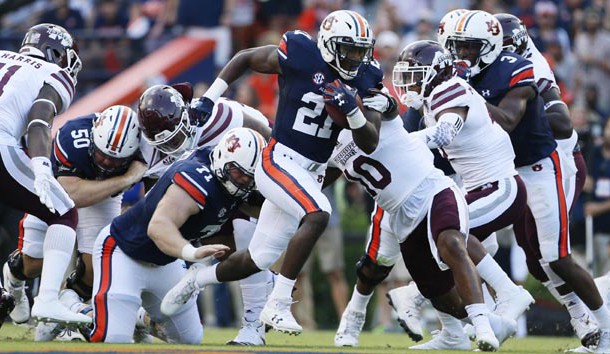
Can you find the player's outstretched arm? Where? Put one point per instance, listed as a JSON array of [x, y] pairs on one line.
[[174, 208], [510, 110], [260, 59], [557, 113], [332, 174], [85, 192]]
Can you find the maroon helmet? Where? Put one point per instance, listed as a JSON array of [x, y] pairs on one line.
[[424, 64], [515, 34], [53, 44], [164, 120]]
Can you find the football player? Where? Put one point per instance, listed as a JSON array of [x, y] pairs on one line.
[[94, 160], [36, 84], [507, 81], [169, 131], [291, 172], [516, 40], [151, 241]]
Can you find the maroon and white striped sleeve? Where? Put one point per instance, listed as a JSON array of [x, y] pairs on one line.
[[64, 85], [454, 94]]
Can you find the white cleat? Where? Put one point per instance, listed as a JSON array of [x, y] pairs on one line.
[[445, 340], [586, 330], [407, 301], [278, 316], [46, 332], [502, 327], [580, 349], [512, 305], [603, 346], [182, 292], [487, 342], [349, 328], [54, 311], [250, 333], [16, 287], [141, 333]]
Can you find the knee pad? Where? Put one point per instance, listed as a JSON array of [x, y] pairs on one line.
[[263, 259], [15, 264], [75, 280], [69, 219], [555, 280], [371, 273]]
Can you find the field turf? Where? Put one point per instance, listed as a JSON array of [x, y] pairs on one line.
[[20, 339]]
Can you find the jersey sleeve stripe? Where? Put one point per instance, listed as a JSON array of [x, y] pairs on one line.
[[65, 83], [527, 75], [60, 154], [529, 66], [283, 47], [220, 115], [544, 85], [191, 187], [447, 95]]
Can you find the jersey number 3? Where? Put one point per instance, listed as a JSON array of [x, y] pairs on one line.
[[313, 121]]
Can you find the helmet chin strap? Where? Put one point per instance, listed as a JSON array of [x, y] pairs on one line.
[[343, 73]]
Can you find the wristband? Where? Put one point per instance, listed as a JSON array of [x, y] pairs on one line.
[[356, 120], [219, 86], [188, 253]]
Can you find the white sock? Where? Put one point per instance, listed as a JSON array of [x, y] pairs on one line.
[[451, 324], [57, 251], [359, 302], [283, 288], [207, 276], [573, 304], [254, 294], [493, 275], [478, 315], [602, 315]]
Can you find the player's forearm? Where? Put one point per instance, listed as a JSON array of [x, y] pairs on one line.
[[167, 237], [366, 137], [85, 193], [507, 120], [39, 141], [259, 59], [559, 120]]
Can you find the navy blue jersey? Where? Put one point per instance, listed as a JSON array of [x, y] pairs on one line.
[[71, 155], [532, 138], [301, 122], [192, 174]]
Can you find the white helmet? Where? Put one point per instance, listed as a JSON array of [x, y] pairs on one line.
[[234, 160], [446, 25], [476, 36], [116, 138], [345, 41]]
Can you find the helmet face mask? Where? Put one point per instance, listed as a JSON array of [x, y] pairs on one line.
[[164, 119], [53, 44], [234, 160], [346, 43], [115, 138], [421, 66]]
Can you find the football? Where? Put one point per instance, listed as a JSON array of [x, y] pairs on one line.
[[339, 117]]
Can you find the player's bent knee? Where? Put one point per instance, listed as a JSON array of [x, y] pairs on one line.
[[193, 336], [371, 273], [318, 220], [263, 259], [451, 242]]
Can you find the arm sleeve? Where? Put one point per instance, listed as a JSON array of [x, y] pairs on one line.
[[191, 185], [64, 85]]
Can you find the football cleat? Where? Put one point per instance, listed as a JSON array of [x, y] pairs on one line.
[[586, 330], [407, 301], [250, 333], [444, 340], [349, 328], [47, 331], [512, 305], [277, 314], [503, 328], [69, 334], [16, 287], [54, 311], [182, 292]]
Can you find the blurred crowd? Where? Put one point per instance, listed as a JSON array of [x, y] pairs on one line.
[[573, 35]]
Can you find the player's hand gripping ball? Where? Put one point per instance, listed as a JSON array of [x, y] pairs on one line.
[[340, 101]]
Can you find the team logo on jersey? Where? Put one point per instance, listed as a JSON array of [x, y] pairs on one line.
[[222, 212], [485, 93], [537, 168], [233, 143], [493, 27], [318, 78]]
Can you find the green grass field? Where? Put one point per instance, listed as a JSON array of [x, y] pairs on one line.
[[20, 339]]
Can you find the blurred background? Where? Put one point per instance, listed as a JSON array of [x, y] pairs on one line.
[[127, 45]]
